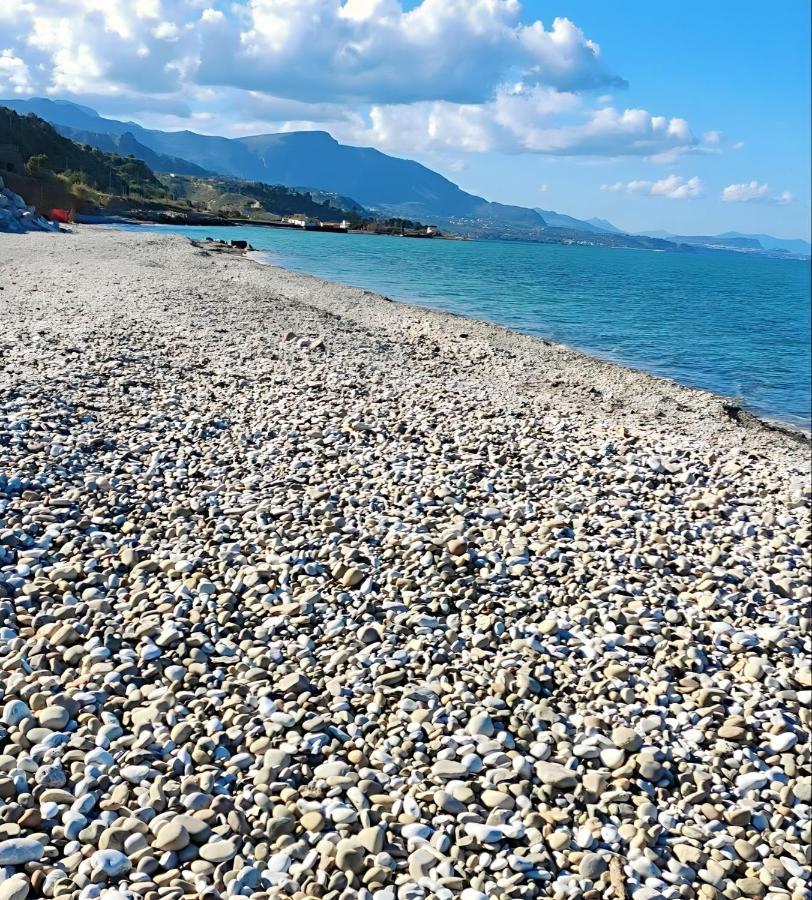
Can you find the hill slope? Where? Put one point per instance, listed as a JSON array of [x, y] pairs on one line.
[[125, 144], [561, 220], [86, 165], [375, 180], [768, 242], [605, 225]]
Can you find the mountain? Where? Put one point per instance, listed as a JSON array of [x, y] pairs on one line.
[[48, 153], [604, 225], [377, 181], [125, 144], [561, 220], [257, 201], [768, 242], [736, 240], [663, 235]]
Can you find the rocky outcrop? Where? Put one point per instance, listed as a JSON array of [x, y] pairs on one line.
[[16, 216]]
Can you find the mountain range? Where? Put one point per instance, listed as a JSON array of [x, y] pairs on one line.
[[377, 181], [380, 183], [737, 241]]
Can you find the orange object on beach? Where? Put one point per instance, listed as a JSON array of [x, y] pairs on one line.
[[61, 215]]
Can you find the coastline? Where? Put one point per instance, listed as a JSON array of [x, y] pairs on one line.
[[719, 404], [306, 592]]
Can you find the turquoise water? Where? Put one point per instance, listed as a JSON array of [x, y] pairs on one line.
[[735, 325]]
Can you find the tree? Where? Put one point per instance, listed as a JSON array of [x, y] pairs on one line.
[[38, 165]]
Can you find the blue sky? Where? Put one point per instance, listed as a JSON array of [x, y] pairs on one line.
[[691, 117], [741, 68]]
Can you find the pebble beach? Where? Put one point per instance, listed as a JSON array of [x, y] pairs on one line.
[[305, 593]]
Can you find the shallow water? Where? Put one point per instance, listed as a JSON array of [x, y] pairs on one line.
[[732, 324]]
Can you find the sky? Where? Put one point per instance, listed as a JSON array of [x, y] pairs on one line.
[[692, 118]]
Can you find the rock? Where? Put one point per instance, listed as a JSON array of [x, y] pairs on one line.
[[15, 888], [371, 839], [612, 757], [53, 717], [369, 634], [312, 821], [295, 683], [438, 611], [485, 834], [626, 739], [557, 776], [14, 712], [112, 863], [349, 856], [449, 768], [171, 836], [218, 851], [20, 850], [481, 724], [592, 866]]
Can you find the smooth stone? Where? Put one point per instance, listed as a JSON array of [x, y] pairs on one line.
[[15, 888], [171, 836], [449, 768], [218, 851], [111, 862], [486, 834], [481, 723], [53, 717], [612, 757], [592, 866], [19, 851], [14, 712], [312, 821], [556, 775]]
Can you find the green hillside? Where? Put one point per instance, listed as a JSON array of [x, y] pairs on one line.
[[253, 200], [47, 154]]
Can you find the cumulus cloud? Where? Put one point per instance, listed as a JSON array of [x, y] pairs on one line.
[[750, 192], [459, 75], [360, 51], [373, 51], [519, 119], [674, 187], [14, 75]]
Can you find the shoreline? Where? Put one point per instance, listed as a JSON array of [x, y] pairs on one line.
[[741, 413], [308, 593], [790, 428]]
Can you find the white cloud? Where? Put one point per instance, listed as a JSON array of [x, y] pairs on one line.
[[743, 193], [753, 192], [14, 74], [372, 51], [712, 137], [674, 187], [518, 119], [445, 75]]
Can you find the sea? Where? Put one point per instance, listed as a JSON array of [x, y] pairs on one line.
[[730, 323]]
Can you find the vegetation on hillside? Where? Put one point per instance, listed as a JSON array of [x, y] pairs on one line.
[[49, 155], [60, 173], [253, 200]]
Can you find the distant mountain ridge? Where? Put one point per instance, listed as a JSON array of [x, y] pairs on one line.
[[384, 185], [125, 144], [605, 225], [735, 240], [373, 179], [561, 220]]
